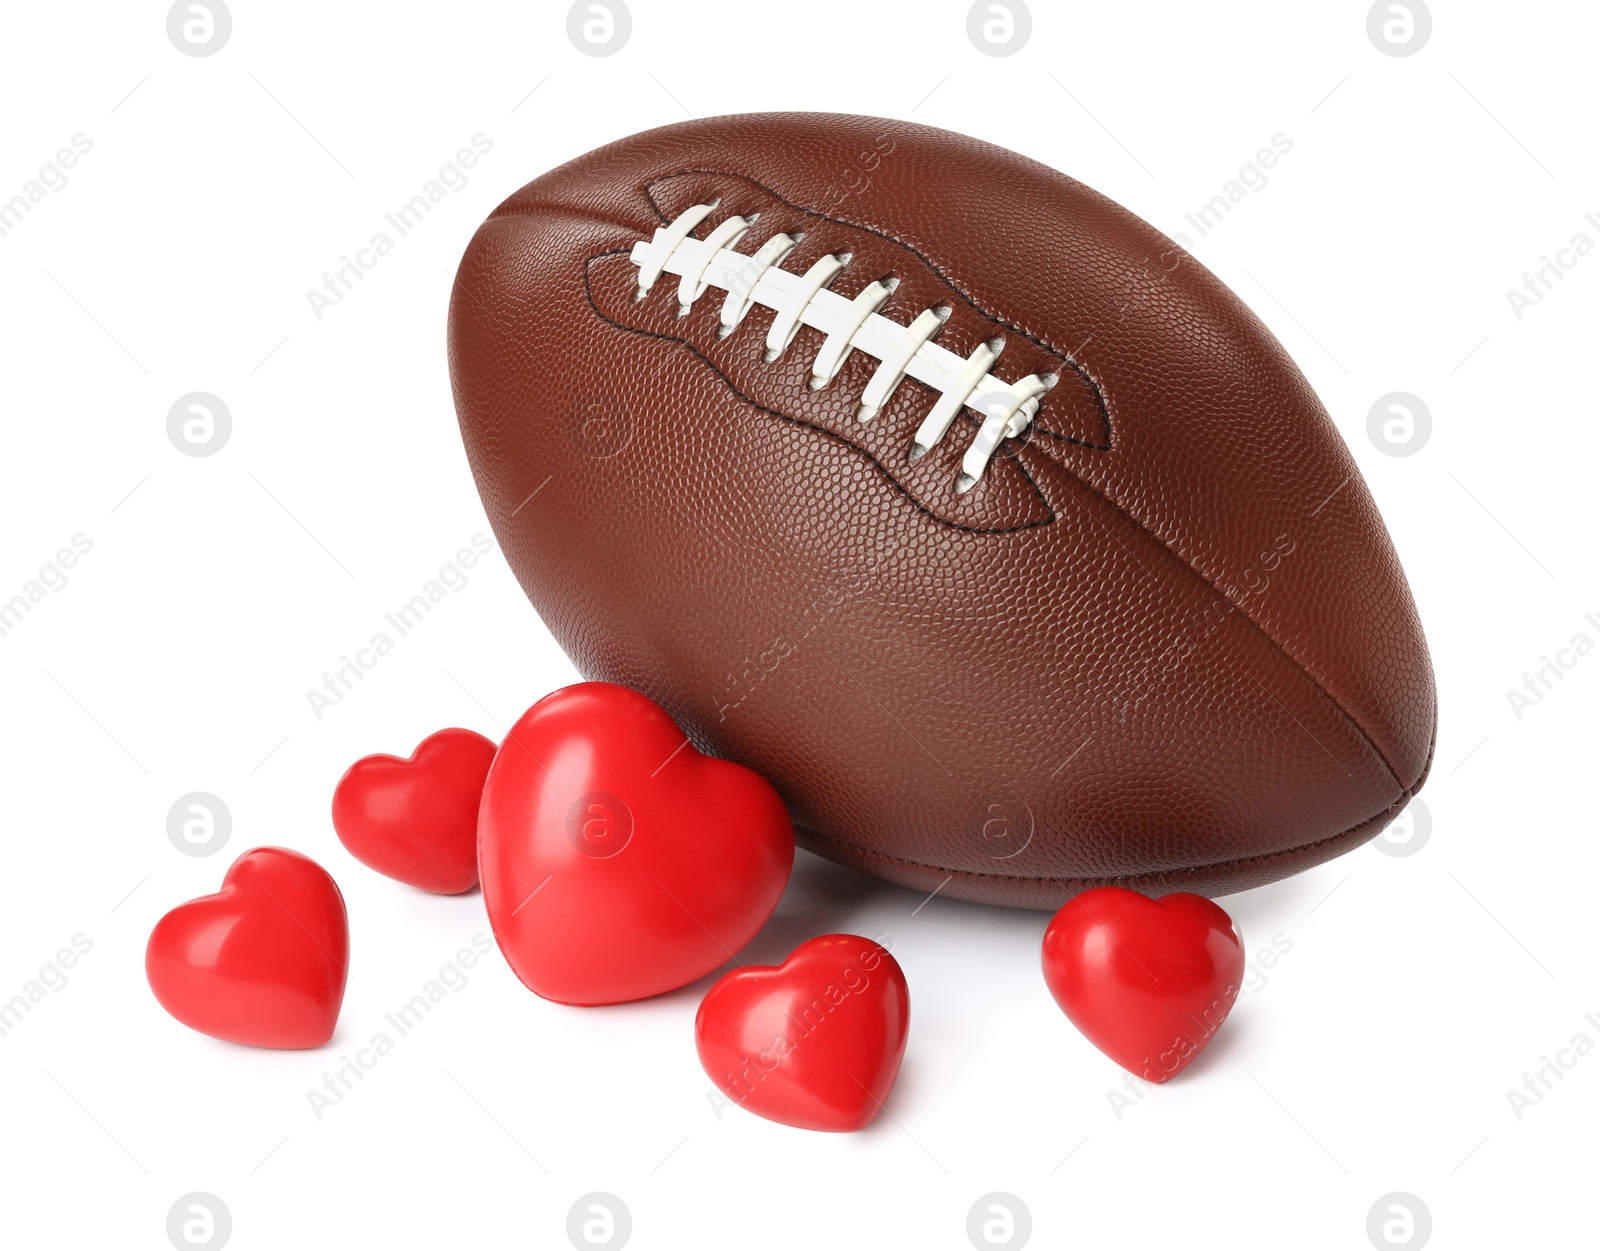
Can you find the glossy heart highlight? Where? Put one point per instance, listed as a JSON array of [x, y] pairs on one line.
[[617, 861], [261, 962], [1148, 981], [814, 1042]]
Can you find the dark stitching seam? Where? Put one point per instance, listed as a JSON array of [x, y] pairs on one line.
[[1065, 358], [1235, 606]]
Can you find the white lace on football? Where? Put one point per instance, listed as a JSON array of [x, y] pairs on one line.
[[804, 300]]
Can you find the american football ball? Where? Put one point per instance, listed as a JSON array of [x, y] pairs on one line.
[[949, 495]]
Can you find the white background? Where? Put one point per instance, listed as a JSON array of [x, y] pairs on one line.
[[1374, 1056]]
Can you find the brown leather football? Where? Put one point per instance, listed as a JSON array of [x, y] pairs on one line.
[[948, 494]]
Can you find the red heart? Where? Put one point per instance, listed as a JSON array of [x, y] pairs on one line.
[[1148, 981], [814, 1042], [416, 820], [618, 862], [262, 961]]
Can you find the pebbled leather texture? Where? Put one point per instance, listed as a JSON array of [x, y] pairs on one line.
[[1164, 643]]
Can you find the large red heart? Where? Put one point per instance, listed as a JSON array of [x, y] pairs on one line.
[[416, 820], [262, 961], [814, 1042], [617, 861], [1148, 981]]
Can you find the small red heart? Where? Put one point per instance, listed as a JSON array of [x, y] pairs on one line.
[[1148, 981], [618, 862], [261, 962], [814, 1042], [416, 820]]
